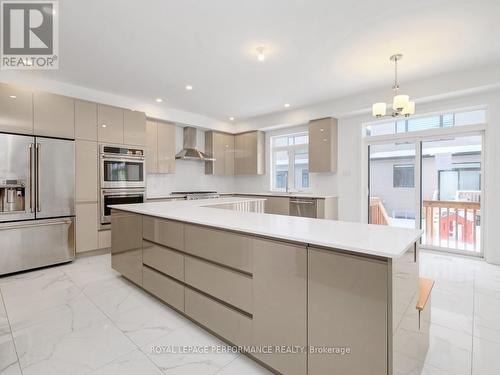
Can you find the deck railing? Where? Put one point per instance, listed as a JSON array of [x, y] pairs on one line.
[[378, 214], [452, 224]]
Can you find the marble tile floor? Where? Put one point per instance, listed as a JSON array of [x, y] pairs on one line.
[[83, 318]]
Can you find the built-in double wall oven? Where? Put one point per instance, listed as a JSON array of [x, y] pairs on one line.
[[122, 178]]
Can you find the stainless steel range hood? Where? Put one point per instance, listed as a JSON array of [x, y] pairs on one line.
[[189, 151]]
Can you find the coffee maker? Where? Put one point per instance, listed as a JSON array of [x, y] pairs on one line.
[[12, 195]]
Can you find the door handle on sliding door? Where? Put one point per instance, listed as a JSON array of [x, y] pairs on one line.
[[38, 156]]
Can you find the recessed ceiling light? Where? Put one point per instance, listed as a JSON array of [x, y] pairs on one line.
[[286, 105], [260, 54], [12, 96], [104, 125], [189, 87], [231, 118], [159, 100]]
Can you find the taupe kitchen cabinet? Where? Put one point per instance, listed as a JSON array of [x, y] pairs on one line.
[[151, 147], [277, 205], [219, 146], [249, 153], [166, 147], [16, 108], [85, 120], [134, 128], [126, 245], [279, 303], [323, 145], [229, 154], [53, 115], [87, 223], [355, 289], [86, 161], [110, 124], [160, 147]]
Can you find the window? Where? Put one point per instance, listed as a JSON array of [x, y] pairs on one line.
[[403, 176], [462, 177], [414, 124], [290, 162]]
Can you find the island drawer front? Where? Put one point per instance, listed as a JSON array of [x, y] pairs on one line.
[[164, 232], [163, 259], [224, 284], [166, 289], [222, 320], [229, 249]]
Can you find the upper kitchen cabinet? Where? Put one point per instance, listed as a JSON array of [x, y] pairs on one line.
[[134, 128], [110, 124], [219, 146], [323, 145], [151, 147], [166, 147], [160, 147], [54, 115], [85, 120], [249, 153], [16, 109]]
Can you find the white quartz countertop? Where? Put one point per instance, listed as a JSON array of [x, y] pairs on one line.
[[290, 195], [263, 194], [369, 239]]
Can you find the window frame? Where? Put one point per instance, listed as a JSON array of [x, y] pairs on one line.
[[395, 167], [291, 150]]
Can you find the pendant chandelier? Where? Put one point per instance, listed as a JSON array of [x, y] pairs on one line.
[[401, 104]]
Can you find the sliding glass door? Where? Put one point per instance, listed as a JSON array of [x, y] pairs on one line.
[[432, 184], [392, 184], [451, 193]]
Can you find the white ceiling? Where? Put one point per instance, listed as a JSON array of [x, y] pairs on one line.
[[315, 49]]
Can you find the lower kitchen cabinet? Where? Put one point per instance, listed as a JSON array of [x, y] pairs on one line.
[[126, 249], [87, 227], [231, 324], [224, 284], [163, 259], [104, 239], [277, 205], [226, 248], [355, 288], [279, 299], [163, 287]]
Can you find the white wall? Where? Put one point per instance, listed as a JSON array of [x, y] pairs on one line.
[[189, 174]]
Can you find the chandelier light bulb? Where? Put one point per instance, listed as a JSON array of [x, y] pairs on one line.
[[400, 102], [409, 109], [379, 109]]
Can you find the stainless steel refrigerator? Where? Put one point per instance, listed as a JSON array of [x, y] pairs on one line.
[[37, 202]]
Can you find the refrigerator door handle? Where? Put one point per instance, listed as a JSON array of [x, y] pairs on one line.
[[38, 157], [17, 225], [32, 192]]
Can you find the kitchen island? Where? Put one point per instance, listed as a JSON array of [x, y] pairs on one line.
[[300, 295]]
